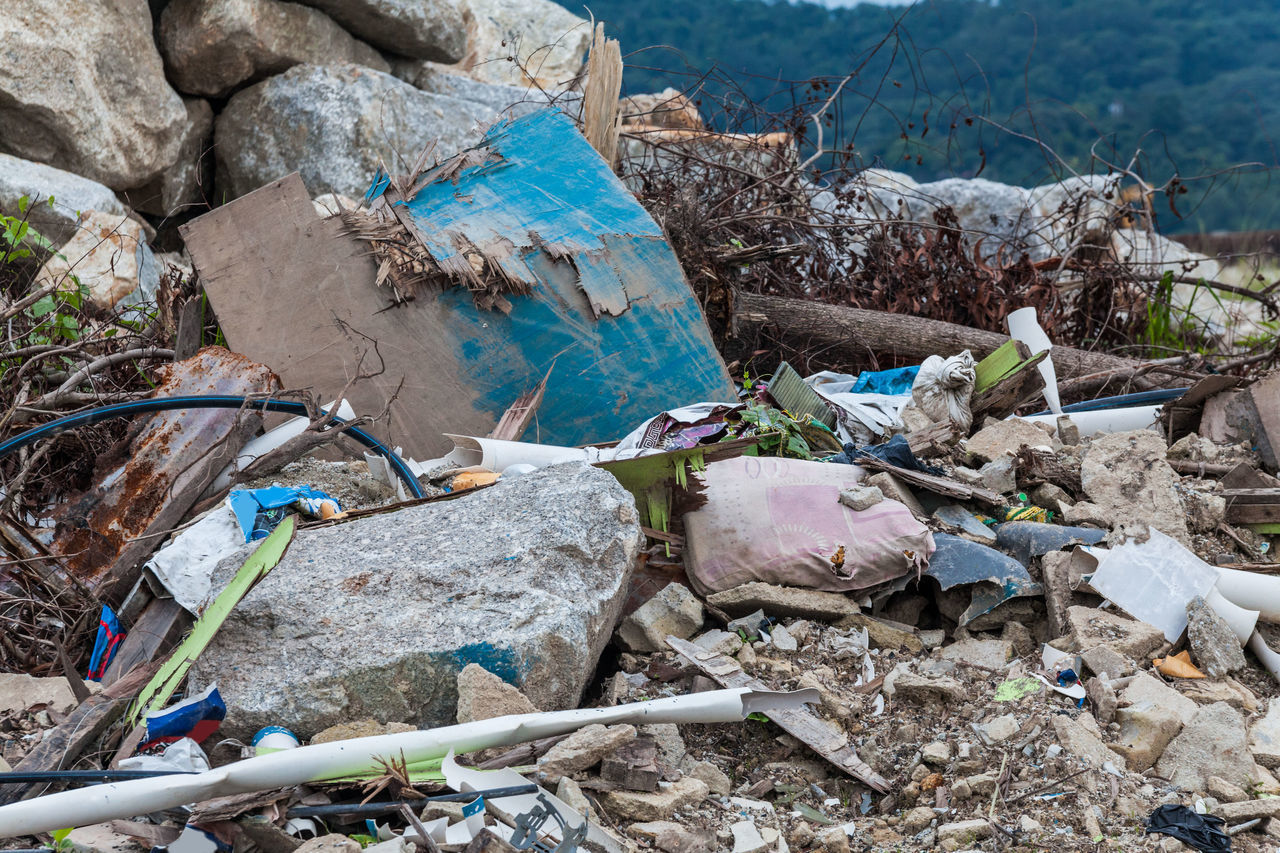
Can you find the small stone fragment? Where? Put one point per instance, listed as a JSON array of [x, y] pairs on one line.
[[1001, 728], [859, 498], [964, 832], [1225, 792], [716, 780], [1104, 659], [1264, 737], [673, 611], [583, 749], [1214, 646], [719, 641], [937, 753], [782, 639], [483, 696], [659, 805]]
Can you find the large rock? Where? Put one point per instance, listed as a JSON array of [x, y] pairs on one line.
[[82, 88], [376, 617], [210, 47], [422, 29], [1127, 478], [189, 181], [71, 194], [547, 42], [448, 80], [335, 124], [110, 257], [1214, 743]]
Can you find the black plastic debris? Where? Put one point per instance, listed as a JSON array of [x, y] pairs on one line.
[[1201, 831]]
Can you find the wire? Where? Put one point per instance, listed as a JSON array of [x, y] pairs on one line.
[[165, 404]]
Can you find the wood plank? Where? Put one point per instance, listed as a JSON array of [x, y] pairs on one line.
[[821, 737], [928, 482], [1010, 391]]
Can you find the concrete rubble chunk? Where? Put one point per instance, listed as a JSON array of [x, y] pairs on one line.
[[334, 843], [716, 780], [659, 805], [571, 793], [782, 639], [1100, 659], [1145, 730], [583, 749], [1146, 689], [1000, 729], [937, 753], [1127, 478], [1090, 627], [1077, 740], [82, 88], [423, 29], [747, 838], [883, 633], [19, 692], [211, 47], [989, 654], [1264, 736], [1248, 810], [903, 684], [673, 611], [780, 601], [1000, 475], [859, 498], [1215, 648], [354, 117], [358, 729], [376, 617], [71, 194], [101, 838], [1225, 792], [964, 831], [671, 837], [918, 819], [1214, 743], [483, 696], [1003, 438], [719, 641], [896, 490]]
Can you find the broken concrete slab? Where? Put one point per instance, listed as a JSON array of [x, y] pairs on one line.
[[1090, 627], [1127, 477], [902, 683], [895, 490], [659, 805], [674, 611], [483, 696], [988, 654], [778, 601], [1215, 648], [19, 692], [1214, 743], [376, 617], [583, 749], [1145, 731], [1146, 689], [1003, 438]]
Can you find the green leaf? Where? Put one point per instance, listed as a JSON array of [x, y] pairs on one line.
[[45, 305], [24, 203]]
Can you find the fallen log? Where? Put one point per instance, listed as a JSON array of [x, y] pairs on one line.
[[852, 333]]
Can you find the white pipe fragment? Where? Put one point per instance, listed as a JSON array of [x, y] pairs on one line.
[[1024, 327], [119, 800], [1105, 420], [1265, 655], [1253, 591]]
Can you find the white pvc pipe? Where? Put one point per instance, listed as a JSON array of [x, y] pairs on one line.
[[1024, 327], [1252, 590], [118, 800], [1105, 420]]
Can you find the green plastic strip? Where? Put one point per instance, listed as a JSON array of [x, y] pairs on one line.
[[165, 682]]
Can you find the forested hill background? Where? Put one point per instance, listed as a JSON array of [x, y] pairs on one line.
[[1194, 85]]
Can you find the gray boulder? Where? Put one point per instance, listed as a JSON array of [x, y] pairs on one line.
[[210, 47], [82, 88], [1129, 483], [189, 181], [445, 80], [422, 29], [548, 42], [71, 194], [376, 617], [335, 125]]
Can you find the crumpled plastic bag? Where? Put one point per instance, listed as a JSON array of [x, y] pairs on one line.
[[943, 389], [1201, 831]]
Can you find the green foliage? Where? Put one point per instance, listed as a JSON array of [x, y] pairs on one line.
[[1196, 86], [61, 839], [1176, 329], [17, 238], [779, 433], [55, 316]]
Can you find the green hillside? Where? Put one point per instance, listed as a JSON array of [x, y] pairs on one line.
[[1195, 86]]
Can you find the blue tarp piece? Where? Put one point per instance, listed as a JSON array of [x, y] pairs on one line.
[[895, 381], [252, 507], [995, 577], [589, 284]]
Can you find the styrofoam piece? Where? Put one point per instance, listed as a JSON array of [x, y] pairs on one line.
[[1105, 420], [345, 758], [268, 441], [1023, 326]]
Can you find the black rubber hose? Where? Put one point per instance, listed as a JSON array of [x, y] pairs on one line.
[[165, 404]]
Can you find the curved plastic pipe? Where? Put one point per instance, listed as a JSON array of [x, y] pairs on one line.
[[165, 404]]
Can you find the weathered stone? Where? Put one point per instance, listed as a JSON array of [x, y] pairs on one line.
[[719, 641], [583, 749], [747, 838], [882, 633], [423, 29], [19, 692], [570, 792], [82, 88], [668, 108], [1145, 731], [896, 490], [546, 40], [189, 181], [358, 729], [964, 832], [902, 683], [1100, 659], [329, 844], [1225, 792], [110, 256], [779, 601], [716, 780], [1145, 689], [1090, 627], [1126, 476], [1103, 699], [859, 498], [1003, 438], [989, 654], [71, 194], [659, 805], [1205, 510], [483, 696], [1214, 743], [101, 838], [937, 753], [1264, 736], [918, 819], [377, 616], [211, 47], [1243, 810], [1214, 646], [1000, 729], [1000, 475], [354, 117], [1206, 691], [1077, 740], [671, 746], [782, 639], [672, 837], [673, 611]]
